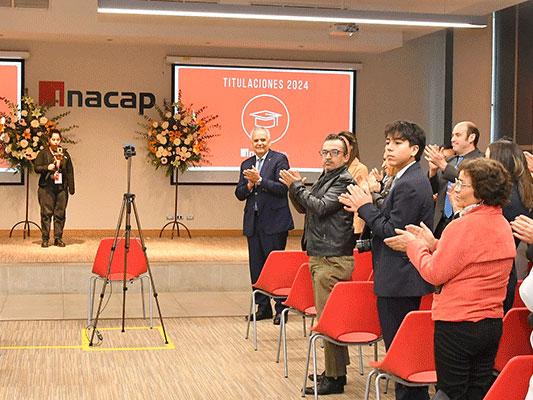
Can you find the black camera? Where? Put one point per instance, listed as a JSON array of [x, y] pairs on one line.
[[363, 245], [129, 151]]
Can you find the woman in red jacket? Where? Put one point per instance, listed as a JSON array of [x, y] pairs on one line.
[[470, 265]]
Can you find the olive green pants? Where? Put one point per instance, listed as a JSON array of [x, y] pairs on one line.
[[326, 272]]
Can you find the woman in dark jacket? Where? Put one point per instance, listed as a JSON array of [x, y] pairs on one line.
[[55, 183], [521, 202]]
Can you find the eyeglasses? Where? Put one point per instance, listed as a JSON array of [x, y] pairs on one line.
[[332, 153], [459, 185]]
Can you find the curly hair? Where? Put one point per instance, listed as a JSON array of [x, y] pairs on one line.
[[490, 180]]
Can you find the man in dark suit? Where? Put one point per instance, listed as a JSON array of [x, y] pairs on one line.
[[443, 172], [267, 217], [397, 283]]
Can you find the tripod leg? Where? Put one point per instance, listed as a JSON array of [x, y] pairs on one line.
[[106, 280], [149, 271]]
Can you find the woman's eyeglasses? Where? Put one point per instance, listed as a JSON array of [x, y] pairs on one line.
[[459, 185]]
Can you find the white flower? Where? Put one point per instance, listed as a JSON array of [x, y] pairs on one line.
[[164, 125], [168, 114], [43, 120], [164, 160], [154, 124], [41, 148], [30, 154], [24, 113], [174, 127], [36, 138], [39, 133], [5, 138], [177, 141], [24, 143], [8, 148], [34, 123]]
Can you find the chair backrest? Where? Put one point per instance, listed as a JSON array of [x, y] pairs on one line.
[[301, 296], [136, 260], [280, 269], [362, 270], [515, 337], [513, 382], [426, 303], [411, 350], [351, 307], [518, 302]]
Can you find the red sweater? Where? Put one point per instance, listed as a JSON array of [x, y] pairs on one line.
[[472, 260]]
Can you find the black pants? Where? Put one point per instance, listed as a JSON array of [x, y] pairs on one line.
[[392, 311], [464, 357], [260, 244], [53, 200]]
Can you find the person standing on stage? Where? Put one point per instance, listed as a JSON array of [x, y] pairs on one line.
[[56, 181], [267, 217]]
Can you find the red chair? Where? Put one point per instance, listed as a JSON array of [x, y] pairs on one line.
[[363, 270], [513, 381], [426, 303], [300, 301], [350, 318], [518, 303], [410, 359], [515, 337], [136, 269], [275, 280]]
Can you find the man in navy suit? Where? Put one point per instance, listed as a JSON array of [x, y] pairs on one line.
[[397, 284], [267, 217]]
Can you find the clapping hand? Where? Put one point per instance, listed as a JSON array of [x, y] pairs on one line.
[[523, 228], [288, 177], [434, 155], [356, 197], [424, 234], [400, 241]]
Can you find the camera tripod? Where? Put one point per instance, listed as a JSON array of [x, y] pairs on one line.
[[128, 203]]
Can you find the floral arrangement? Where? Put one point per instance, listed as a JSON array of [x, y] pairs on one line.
[[25, 131], [179, 138]]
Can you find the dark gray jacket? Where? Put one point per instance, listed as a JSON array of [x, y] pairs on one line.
[[328, 227]]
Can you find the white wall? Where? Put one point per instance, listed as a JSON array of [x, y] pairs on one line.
[[401, 84]]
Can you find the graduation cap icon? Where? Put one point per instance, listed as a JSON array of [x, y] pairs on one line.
[[265, 118]]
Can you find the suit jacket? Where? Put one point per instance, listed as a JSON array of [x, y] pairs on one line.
[[273, 213], [40, 165], [439, 182], [409, 202]]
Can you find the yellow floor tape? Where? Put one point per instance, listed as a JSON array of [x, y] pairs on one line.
[[85, 342]]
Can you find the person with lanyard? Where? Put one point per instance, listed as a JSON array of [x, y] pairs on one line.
[[443, 172], [56, 182], [267, 217]]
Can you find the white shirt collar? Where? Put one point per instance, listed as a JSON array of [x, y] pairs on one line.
[[402, 171]]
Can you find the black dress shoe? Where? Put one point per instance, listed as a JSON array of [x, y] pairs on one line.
[[321, 376], [59, 243], [44, 243], [327, 385], [277, 319], [262, 313]]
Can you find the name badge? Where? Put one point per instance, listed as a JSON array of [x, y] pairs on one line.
[[58, 178]]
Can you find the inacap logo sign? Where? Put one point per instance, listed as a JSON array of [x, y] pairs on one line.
[[52, 93]]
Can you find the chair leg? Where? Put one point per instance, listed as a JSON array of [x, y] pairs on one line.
[[305, 328], [315, 378], [151, 303], [248, 317], [378, 378], [280, 338], [307, 363], [387, 380], [368, 383], [142, 298], [255, 320], [376, 351], [284, 314], [361, 367]]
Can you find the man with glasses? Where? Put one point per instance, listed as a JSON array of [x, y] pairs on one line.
[[443, 172], [329, 241]]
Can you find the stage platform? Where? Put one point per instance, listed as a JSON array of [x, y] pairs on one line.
[[202, 276]]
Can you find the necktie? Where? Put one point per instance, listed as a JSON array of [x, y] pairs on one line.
[[448, 210], [259, 165]]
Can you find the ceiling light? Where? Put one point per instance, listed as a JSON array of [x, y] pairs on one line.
[[287, 13]]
